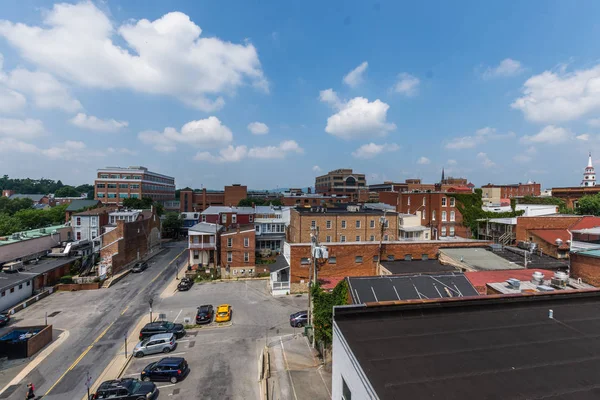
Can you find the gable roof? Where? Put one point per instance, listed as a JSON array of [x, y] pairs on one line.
[[279, 264], [586, 222], [78, 205], [33, 197], [205, 227], [366, 289], [550, 236], [481, 278]]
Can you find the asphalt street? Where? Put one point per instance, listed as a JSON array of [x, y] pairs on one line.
[[97, 321]]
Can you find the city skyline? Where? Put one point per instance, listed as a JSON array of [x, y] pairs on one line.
[[274, 96]]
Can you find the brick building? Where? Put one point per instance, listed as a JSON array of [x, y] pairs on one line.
[[586, 265], [230, 196], [516, 189], [238, 252], [128, 242], [203, 245], [90, 224], [228, 216], [350, 224], [571, 195], [341, 182], [438, 211], [360, 259], [114, 184], [313, 199]]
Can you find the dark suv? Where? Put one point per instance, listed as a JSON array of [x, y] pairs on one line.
[[154, 328], [126, 389], [299, 319], [139, 266], [205, 314], [172, 369]]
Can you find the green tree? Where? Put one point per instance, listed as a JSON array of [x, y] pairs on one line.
[[171, 225], [589, 205], [9, 225], [67, 191], [144, 204], [33, 219], [10, 207], [56, 215]]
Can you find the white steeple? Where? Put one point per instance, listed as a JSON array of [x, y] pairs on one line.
[[589, 176]]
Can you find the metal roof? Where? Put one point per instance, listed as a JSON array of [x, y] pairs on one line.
[[31, 234], [205, 227], [33, 197], [77, 205]]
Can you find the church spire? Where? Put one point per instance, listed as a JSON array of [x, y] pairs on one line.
[[590, 160], [589, 176], [442, 181]]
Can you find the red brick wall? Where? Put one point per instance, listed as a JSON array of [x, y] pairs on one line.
[[524, 224], [346, 264], [238, 249], [235, 193], [390, 198], [585, 267]]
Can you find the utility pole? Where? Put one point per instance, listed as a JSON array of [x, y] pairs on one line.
[[382, 222], [312, 279]]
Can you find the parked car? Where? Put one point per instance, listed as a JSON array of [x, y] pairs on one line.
[[154, 328], [161, 343], [205, 314], [223, 313], [4, 319], [185, 284], [172, 369], [139, 266], [126, 389], [299, 319]]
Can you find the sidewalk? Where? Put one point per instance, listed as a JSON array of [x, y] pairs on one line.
[[295, 373]]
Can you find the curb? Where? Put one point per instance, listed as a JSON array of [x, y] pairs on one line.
[[209, 327]]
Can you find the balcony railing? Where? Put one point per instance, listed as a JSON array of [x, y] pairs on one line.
[[201, 246], [280, 285]]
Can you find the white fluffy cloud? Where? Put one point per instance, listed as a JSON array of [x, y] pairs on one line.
[[423, 161], [507, 67], [481, 136], [451, 162], [553, 135], [485, 160], [560, 96], [355, 77], [209, 132], [407, 84], [21, 128], [84, 121], [68, 150], [47, 92], [370, 150], [79, 43], [238, 153], [258, 128], [595, 122], [585, 137], [121, 150], [357, 117], [11, 101], [316, 168]]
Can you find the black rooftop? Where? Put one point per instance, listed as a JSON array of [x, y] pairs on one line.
[[279, 264], [416, 266], [478, 348], [367, 289], [534, 260]]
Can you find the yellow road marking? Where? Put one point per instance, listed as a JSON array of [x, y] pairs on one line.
[[78, 360]]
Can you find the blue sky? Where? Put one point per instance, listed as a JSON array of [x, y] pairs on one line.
[[273, 93]]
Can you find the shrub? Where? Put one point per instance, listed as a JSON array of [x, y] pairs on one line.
[[66, 279]]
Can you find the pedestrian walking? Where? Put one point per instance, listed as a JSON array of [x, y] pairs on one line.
[[30, 393]]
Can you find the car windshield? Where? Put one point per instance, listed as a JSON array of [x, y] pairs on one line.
[[223, 313], [169, 325], [132, 385]]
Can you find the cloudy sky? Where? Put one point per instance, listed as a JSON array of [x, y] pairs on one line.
[[272, 93]]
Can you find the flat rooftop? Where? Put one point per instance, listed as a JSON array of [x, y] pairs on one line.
[[484, 348], [478, 259], [31, 234], [30, 271], [400, 267]]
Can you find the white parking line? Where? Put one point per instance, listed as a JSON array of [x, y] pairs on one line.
[[164, 355], [166, 386], [132, 374], [175, 320], [183, 341]]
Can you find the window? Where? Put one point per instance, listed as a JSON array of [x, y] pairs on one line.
[[372, 238], [358, 238], [196, 254], [375, 258], [328, 224], [20, 286], [246, 257], [372, 223], [424, 257], [135, 195], [313, 224], [251, 218], [78, 235], [12, 289], [224, 218], [443, 231], [103, 176], [3, 294], [94, 234], [304, 261], [94, 220], [342, 238], [423, 215], [234, 218], [229, 242], [78, 219], [358, 223], [229, 256], [358, 259], [385, 237], [246, 242], [343, 224], [424, 202], [203, 218], [452, 200], [112, 195], [28, 283], [452, 216], [112, 185], [443, 215], [100, 195], [123, 186], [444, 202], [390, 257], [134, 186], [451, 231], [100, 185], [332, 260], [408, 201], [328, 239], [407, 257], [433, 215], [123, 195]]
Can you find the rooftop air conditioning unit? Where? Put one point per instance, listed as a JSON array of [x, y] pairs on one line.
[[514, 283], [559, 280], [43, 230], [537, 278]]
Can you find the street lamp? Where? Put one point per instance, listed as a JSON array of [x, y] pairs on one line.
[[150, 301]]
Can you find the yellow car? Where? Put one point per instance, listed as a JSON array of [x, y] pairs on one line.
[[223, 313]]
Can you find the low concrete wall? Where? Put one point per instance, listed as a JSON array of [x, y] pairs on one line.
[[31, 300], [72, 287], [39, 341]]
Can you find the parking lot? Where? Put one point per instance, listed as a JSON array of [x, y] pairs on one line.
[[223, 359]]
